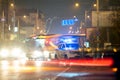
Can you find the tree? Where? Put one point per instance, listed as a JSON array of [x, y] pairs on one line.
[[115, 30]]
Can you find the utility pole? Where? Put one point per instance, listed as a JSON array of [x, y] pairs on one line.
[[36, 23], [18, 25], [14, 18], [98, 38], [86, 17], [3, 25], [37, 26]]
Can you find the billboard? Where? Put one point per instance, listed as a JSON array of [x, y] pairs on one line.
[[68, 43], [89, 31], [104, 18]]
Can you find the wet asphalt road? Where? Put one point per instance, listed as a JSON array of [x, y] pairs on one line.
[[9, 71]]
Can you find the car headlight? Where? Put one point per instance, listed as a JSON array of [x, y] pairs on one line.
[[36, 53], [16, 52], [4, 53], [4, 65], [38, 63]]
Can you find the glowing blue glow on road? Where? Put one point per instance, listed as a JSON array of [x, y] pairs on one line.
[[73, 74]]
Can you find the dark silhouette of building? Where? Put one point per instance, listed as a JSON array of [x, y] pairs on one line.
[[116, 64], [4, 8]]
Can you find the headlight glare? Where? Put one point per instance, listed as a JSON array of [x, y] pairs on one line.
[[38, 63], [37, 53], [16, 52], [4, 53]]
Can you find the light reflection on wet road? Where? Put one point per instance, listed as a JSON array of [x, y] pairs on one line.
[[32, 72]]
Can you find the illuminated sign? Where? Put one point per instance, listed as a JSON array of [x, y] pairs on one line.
[[15, 29], [86, 44], [41, 36], [68, 43], [69, 22]]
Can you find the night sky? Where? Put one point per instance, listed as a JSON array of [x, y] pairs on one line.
[[59, 8], [62, 9]]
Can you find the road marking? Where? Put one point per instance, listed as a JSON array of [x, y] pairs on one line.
[[60, 73]]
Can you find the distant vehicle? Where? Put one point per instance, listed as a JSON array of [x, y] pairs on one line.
[[46, 46], [12, 50], [113, 47], [66, 44], [36, 47]]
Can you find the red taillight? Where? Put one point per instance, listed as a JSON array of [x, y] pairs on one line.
[[47, 42], [85, 62], [92, 62]]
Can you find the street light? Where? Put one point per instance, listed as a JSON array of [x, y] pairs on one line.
[[12, 4], [77, 4], [24, 16], [95, 5]]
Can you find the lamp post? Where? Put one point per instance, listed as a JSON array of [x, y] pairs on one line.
[[48, 28], [13, 19], [98, 39], [12, 5], [86, 18], [46, 24], [18, 25], [3, 25]]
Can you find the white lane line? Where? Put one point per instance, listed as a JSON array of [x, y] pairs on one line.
[[60, 73]]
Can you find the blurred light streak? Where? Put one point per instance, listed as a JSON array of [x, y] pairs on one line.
[[114, 69], [31, 69], [70, 75], [92, 62], [4, 65], [38, 63], [22, 61], [82, 62]]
